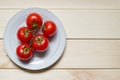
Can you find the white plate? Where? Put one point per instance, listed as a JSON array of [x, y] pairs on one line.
[[40, 60]]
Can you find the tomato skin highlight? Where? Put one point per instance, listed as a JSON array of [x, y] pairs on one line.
[[24, 34], [24, 52], [34, 21], [49, 28], [40, 43]]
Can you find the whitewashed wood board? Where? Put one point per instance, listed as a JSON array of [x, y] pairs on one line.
[[81, 54], [107, 74], [79, 23], [62, 4]]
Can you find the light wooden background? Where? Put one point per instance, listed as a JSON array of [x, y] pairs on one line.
[[93, 40]]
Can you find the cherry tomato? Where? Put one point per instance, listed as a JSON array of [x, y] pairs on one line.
[[40, 43], [34, 21], [24, 52], [24, 34], [49, 28]]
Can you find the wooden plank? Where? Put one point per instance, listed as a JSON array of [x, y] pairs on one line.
[[60, 74], [5, 17], [82, 54], [80, 23], [6, 62], [74, 62], [2, 49], [76, 4]]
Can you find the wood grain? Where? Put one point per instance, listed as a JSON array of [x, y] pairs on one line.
[[64, 4], [82, 54], [60, 74], [80, 23]]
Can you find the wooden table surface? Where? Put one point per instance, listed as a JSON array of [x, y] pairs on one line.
[[93, 40]]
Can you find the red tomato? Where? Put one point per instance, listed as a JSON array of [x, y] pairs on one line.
[[24, 52], [24, 35], [34, 21], [40, 43], [49, 28]]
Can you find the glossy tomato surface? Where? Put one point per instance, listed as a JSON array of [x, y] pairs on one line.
[[24, 34], [40, 43], [34, 21], [24, 52], [49, 28]]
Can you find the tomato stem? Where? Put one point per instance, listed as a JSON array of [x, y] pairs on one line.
[[35, 25], [27, 32], [26, 50], [39, 40], [43, 27]]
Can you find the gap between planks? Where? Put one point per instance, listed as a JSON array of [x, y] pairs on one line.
[[57, 9], [66, 68]]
